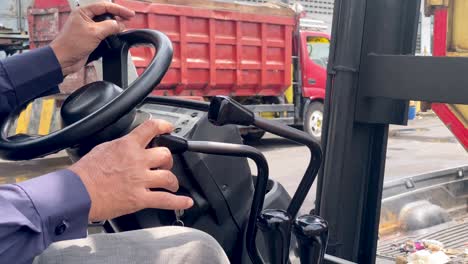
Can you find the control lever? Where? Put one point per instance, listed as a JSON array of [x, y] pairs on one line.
[[175, 144], [275, 225], [224, 110], [179, 145], [311, 232]]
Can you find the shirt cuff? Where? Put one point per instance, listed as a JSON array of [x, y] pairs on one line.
[[62, 202], [33, 73]]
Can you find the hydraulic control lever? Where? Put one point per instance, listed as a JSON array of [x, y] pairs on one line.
[[224, 110], [179, 145], [275, 225], [311, 232]]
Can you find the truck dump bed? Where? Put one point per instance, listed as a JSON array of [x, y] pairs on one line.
[[220, 48]]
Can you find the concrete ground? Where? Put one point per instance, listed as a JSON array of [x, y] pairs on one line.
[[424, 145]]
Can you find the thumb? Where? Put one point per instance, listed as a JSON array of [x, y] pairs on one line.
[[108, 27], [145, 132]]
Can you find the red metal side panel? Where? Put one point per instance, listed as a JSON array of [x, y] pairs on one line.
[[452, 122], [217, 52], [440, 49], [41, 4], [440, 32]]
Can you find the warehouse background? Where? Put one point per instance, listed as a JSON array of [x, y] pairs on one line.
[[13, 14], [315, 9]]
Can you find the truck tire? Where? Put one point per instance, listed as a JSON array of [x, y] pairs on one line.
[[253, 136], [313, 120]]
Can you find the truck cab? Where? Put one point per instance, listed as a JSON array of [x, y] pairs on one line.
[[315, 49]]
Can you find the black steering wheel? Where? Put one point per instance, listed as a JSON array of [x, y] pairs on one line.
[[93, 107]]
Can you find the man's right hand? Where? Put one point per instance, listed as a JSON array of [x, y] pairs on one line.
[[118, 174]]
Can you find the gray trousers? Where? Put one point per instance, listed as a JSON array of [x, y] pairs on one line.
[[160, 245]]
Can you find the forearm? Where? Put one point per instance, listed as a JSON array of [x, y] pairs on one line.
[[26, 76], [41, 211]]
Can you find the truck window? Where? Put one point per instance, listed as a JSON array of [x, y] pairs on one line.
[[318, 49]]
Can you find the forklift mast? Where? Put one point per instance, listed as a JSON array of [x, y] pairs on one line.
[[373, 74]]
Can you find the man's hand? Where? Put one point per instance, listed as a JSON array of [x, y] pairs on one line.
[[119, 173], [81, 35]]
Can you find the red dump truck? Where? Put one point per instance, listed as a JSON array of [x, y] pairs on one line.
[[220, 48]]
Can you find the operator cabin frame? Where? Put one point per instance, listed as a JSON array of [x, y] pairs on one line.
[[372, 76]]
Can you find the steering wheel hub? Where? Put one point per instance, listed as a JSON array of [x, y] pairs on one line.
[[87, 100]]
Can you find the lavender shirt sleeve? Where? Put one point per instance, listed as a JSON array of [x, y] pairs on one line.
[[53, 207], [38, 212], [26, 76]]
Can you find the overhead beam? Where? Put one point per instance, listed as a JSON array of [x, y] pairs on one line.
[[431, 79]]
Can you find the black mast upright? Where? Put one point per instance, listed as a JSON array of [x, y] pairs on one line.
[[356, 125]]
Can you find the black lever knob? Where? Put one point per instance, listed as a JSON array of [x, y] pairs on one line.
[[112, 42], [106, 16], [275, 225], [175, 144], [311, 232], [109, 43], [226, 111]]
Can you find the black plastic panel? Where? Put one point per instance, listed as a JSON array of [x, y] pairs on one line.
[[222, 187]]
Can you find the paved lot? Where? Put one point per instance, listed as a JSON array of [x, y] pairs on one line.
[[424, 145]]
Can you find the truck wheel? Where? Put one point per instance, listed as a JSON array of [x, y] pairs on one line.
[[253, 136], [313, 120]]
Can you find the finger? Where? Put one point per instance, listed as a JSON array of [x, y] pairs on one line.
[[145, 132], [167, 201], [162, 179], [159, 158], [108, 27], [97, 9]]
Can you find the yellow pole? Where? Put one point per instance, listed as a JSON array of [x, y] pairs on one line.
[[23, 120], [47, 112]]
